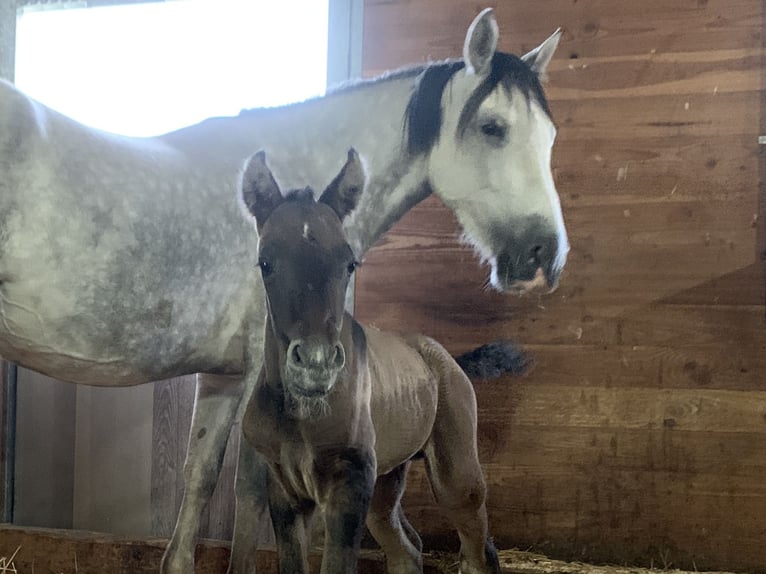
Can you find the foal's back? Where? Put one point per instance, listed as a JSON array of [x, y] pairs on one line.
[[415, 385]]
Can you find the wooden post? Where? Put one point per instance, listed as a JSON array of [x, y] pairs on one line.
[[8, 14]]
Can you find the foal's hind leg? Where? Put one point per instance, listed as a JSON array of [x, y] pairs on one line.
[[215, 405], [390, 528], [453, 467]]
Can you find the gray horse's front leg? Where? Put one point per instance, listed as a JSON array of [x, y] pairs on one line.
[[215, 406], [353, 481], [252, 521]]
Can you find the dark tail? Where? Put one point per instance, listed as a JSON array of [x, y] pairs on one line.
[[493, 360]]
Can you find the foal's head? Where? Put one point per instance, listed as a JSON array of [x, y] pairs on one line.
[[306, 264]]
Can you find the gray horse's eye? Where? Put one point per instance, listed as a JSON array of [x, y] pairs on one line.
[[352, 267], [494, 129], [266, 268]]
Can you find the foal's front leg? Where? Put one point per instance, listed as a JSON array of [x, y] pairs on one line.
[[349, 490], [251, 519], [290, 520]]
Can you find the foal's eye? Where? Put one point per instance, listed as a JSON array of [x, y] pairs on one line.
[[494, 129], [266, 268]]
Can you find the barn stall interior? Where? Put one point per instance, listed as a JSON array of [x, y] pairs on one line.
[[637, 437]]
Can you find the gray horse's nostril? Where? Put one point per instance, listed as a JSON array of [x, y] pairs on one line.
[[536, 254]]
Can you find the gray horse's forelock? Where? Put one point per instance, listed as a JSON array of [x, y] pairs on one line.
[[508, 71], [306, 408], [423, 119]]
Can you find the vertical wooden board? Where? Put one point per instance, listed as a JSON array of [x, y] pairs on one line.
[[112, 490], [8, 17], [173, 409], [5, 477], [173, 405], [220, 514], [45, 440], [761, 224]]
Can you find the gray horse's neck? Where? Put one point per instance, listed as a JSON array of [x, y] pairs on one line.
[[306, 144], [378, 210]]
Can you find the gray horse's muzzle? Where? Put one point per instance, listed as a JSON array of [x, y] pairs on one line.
[[312, 366], [530, 261]]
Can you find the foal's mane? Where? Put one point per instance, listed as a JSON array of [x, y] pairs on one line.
[[422, 119], [300, 195]]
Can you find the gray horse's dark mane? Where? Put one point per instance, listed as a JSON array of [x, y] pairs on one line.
[[423, 119]]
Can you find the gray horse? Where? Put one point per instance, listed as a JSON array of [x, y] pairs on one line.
[[340, 409], [122, 259]]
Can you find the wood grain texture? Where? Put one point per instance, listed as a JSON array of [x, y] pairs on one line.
[[173, 407], [639, 435]]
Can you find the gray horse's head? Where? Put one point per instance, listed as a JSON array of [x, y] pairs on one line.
[[306, 263], [488, 149]]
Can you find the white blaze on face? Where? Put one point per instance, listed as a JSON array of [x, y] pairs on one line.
[[305, 230]]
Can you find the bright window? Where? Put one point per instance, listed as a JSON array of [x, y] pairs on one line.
[[144, 69]]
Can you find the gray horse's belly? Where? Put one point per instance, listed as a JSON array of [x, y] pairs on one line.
[[82, 344], [99, 290], [50, 323]]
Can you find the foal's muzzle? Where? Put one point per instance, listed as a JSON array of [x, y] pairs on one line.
[[312, 366]]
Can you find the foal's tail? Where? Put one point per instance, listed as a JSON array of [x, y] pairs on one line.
[[493, 360]]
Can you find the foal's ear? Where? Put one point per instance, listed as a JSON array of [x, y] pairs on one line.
[[481, 43], [260, 192], [539, 58], [344, 191]]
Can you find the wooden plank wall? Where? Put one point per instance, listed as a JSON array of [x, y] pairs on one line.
[[640, 436]]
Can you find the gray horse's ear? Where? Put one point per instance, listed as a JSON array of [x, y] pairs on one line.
[[344, 191], [481, 43], [260, 192], [539, 58]]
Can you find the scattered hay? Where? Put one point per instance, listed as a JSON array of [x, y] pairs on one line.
[[6, 564], [518, 562], [8, 567]]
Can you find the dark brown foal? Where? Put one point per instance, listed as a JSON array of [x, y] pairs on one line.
[[339, 409]]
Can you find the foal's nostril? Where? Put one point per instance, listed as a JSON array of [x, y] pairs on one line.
[[296, 355], [339, 357]]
